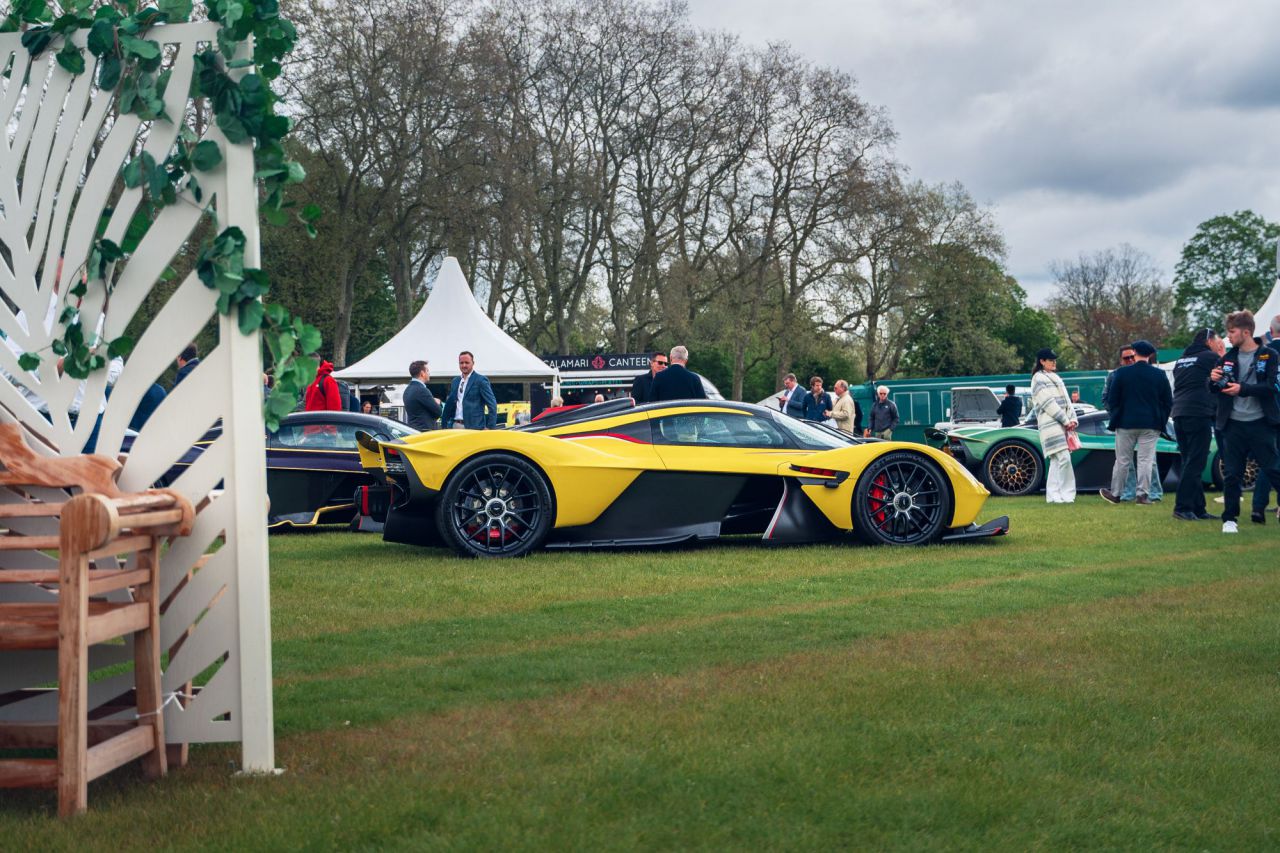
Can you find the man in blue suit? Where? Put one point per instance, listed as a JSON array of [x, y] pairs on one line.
[[471, 403]]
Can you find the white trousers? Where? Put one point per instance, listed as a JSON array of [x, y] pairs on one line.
[[1060, 482]]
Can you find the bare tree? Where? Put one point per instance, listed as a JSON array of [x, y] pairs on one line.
[[1110, 298]]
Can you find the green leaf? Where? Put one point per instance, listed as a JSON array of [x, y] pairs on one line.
[[206, 155], [193, 187], [36, 39], [71, 58], [120, 347], [109, 68], [311, 213], [141, 48], [251, 314], [176, 10], [68, 314], [297, 174], [309, 340], [102, 38], [139, 170], [38, 10], [169, 274], [28, 361], [65, 24], [59, 348], [233, 128]]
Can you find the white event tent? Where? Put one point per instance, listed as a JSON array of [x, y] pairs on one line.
[[1271, 307], [451, 321]]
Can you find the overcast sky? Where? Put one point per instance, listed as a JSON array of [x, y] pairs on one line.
[[1082, 124]]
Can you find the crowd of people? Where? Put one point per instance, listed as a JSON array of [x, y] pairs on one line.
[[1231, 393], [1224, 388]]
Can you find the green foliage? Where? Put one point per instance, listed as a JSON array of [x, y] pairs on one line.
[[974, 310], [243, 104], [1229, 264]]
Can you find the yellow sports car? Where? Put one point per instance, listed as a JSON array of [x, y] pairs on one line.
[[616, 474]]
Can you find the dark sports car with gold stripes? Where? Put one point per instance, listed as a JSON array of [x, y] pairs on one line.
[[313, 467], [617, 474]]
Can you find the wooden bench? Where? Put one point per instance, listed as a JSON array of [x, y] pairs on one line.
[[95, 526]]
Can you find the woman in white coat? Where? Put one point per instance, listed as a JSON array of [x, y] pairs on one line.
[[1056, 418]]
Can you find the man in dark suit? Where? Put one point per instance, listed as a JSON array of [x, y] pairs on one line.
[[1140, 402], [471, 403], [677, 382], [643, 386], [421, 409], [1010, 409]]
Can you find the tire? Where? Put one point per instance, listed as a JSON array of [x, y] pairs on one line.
[[1219, 476], [903, 498], [1013, 468], [495, 505]]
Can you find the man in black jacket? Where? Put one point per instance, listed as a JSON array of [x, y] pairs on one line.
[[421, 408], [677, 382], [643, 386], [1194, 409], [1139, 403], [1010, 409], [1248, 411]]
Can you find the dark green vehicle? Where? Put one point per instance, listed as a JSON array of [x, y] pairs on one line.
[[1010, 462]]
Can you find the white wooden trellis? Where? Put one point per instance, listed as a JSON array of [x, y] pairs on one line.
[[63, 150]]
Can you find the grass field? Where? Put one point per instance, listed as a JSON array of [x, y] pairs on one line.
[[1102, 677]]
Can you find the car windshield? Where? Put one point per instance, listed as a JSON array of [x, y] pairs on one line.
[[807, 436]]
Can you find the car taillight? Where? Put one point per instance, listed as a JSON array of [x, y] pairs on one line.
[[816, 472]]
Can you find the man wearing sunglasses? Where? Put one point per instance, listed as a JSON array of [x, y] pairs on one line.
[[1127, 357], [640, 389]]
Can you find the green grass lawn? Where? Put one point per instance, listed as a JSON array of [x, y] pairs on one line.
[[1102, 677]]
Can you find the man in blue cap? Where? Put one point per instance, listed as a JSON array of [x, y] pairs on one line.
[[1139, 402]]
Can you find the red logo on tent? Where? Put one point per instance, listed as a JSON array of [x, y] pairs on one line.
[[597, 363]]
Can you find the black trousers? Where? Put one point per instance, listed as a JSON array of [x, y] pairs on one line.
[[1263, 485], [1193, 433], [1241, 439]]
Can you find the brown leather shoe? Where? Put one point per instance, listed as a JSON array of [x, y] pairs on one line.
[[1108, 496], [1143, 500]]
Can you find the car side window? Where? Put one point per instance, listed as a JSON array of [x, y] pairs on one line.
[[716, 429], [1092, 426], [286, 436]]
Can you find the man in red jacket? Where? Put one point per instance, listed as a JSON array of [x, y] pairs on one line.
[[322, 395]]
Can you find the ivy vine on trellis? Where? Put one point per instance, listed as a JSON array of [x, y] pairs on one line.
[[129, 64]]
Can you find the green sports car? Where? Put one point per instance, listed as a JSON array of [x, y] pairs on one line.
[[1009, 460]]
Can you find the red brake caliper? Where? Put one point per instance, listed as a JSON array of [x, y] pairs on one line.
[[878, 496]]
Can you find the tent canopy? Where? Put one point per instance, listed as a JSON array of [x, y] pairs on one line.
[[451, 321]]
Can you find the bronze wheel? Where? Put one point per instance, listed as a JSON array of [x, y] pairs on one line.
[[1013, 468]]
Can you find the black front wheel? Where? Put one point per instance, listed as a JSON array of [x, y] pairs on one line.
[[903, 498], [495, 505]]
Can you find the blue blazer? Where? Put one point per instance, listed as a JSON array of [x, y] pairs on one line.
[[479, 406], [795, 403], [676, 382]]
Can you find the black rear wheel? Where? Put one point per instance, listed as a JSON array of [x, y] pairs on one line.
[[903, 498], [495, 505]]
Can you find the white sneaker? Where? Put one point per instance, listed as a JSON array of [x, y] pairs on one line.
[[1229, 527]]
